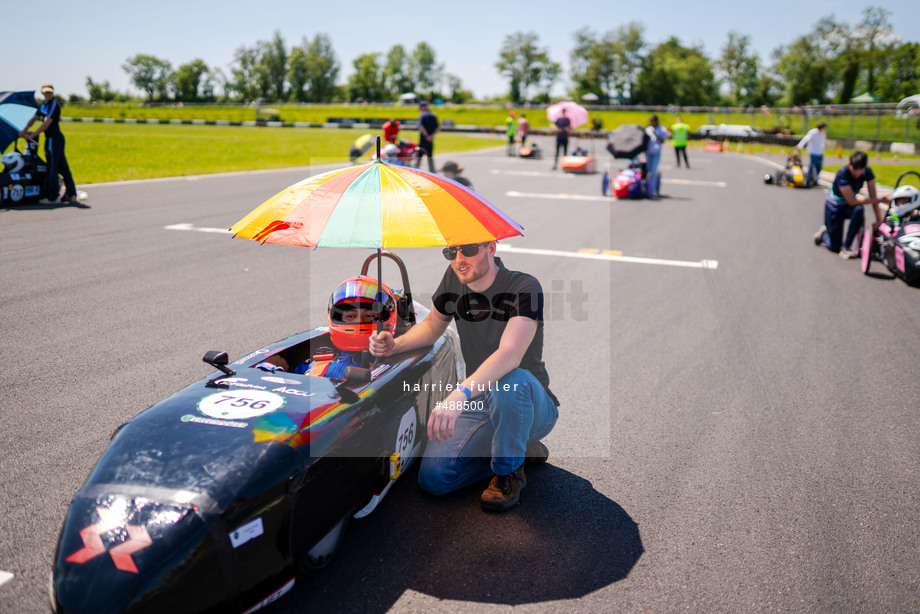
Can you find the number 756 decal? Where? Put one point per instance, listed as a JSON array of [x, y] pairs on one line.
[[240, 405]]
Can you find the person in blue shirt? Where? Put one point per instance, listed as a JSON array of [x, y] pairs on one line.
[[657, 136], [49, 113], [843, 204]]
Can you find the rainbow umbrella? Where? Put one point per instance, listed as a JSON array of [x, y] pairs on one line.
[[376, 205]]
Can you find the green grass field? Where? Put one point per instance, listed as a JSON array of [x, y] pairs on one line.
[[118, 152], [883, 127]]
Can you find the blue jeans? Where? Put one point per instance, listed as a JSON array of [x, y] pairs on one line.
[[651, 164], [490, 441], [835, 214], [814, 169]]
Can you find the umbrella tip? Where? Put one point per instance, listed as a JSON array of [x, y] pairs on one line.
[[378, 148]]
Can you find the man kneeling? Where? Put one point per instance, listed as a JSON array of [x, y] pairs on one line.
[[497, 415]]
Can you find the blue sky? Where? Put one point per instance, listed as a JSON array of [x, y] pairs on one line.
[[66, 41]]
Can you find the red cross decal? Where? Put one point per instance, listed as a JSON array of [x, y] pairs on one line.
[[138, 539]]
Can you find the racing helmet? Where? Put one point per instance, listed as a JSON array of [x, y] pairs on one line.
[[360, 291], [391, 151], [908, 192], [12, 162]]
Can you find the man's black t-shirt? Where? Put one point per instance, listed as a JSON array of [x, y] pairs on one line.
[[562, 133], [429, 121], [53, 110], [481, 317]]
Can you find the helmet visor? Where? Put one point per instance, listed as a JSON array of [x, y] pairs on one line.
[[361, 299]]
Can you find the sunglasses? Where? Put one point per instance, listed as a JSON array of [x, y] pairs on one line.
[[469, 250]]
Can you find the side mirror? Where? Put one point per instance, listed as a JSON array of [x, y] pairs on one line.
[[219, 361]]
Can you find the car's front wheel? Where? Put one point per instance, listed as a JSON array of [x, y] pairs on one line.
[[319, 555], [866, 248]]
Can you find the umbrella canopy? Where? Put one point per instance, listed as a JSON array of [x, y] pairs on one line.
[[376, 205], [16, 109], [627, 141], [576, 113]]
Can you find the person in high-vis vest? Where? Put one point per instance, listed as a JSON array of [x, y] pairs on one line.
[[680, 133], [352, 317]]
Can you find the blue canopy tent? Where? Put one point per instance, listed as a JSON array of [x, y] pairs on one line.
[[16, 109]]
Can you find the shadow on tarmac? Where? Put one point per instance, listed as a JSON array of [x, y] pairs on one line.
[[42, 206], [564, 541]]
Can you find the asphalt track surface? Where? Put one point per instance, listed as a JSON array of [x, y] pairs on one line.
[[739, 432]]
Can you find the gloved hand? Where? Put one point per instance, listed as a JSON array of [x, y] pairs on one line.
[[267, 366]]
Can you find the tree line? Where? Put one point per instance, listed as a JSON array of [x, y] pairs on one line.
[[830, 64]]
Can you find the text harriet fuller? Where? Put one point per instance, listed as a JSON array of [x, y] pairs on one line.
[[441, 387]]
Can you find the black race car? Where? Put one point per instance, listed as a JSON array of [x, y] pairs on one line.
[[215, 498]]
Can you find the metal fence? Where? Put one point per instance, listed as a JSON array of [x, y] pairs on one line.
[[877, 122]]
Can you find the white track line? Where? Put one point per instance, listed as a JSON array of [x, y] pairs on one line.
[[533, 174], [516, 194], [714, 184], [196, 228], [5, 577], [700, 264]]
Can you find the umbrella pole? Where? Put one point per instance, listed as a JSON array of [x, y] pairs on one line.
[[379, 277]]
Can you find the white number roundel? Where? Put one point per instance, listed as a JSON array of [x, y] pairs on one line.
[[240, 404]]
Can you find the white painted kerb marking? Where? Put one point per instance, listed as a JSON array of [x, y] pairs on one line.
[[700, 264]]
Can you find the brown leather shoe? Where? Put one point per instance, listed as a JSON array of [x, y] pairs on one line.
[[504, 491], [536, 453]]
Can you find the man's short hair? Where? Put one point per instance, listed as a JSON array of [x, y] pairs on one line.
[[859, 159], [821, 125], [653, 118]]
